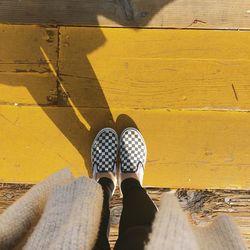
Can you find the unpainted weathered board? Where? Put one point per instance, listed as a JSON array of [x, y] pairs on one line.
[[213, 14], [201, 206], [193, 149]]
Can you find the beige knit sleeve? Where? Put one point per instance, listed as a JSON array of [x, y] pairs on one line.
[[19, 218], [221, 234], [172, 231], [70, 219]]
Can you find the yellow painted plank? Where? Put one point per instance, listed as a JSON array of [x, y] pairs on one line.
[[25, 76], [26, 88], [191, 149], [223, 14], [155, 43], [128, 67], [20, 48], [142, 68]]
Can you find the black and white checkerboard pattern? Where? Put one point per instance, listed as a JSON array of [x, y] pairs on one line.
[[104, 151], [132, 151]]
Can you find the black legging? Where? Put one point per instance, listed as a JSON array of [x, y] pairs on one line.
[[136, 219]]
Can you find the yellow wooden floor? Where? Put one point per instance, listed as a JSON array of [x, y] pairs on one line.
[[188, 91]]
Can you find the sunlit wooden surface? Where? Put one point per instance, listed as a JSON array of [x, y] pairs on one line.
[[187, 91]]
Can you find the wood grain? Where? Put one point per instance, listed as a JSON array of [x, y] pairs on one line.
[[153, 69], [25, 76], [27, 89], [201, 206], [119, 78], [126, 77], [141, 69], [9, 193], [20, 48], [193, 149], [206, 14]]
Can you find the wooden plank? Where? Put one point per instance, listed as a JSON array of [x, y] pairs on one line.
[[203, 206], [209, 14], [193, 149], [110, 67], [9, 193], [200, 206], [27, 89], [20, 48], [154, 68], [24, 73]]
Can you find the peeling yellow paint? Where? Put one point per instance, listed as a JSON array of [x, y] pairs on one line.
[[192, 149], [78, 114], [127, 77]]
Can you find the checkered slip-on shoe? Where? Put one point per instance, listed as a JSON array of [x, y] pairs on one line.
[[133, 152], [104, 152]]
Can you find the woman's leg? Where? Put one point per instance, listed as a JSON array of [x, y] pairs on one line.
[[103, 158], [102, 242], [137, 216], [138, 209]]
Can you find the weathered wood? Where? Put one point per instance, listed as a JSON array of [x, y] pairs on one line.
[[211, 14], [27, 89], [20, 48], [154, 69], [201, 206], [24, 73], [193, 149], [110, 68], [9, 193], [107, 72]]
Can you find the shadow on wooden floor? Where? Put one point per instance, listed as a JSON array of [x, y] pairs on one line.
[[90, 98]]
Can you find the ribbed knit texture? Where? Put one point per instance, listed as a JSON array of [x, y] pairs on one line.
[[71, 217], [64, 213], [19, 218], [172, 231], [221, 234]]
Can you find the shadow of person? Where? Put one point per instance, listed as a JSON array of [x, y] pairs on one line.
[[90, 99]]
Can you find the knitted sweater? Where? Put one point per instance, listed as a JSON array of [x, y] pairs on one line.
[[64, 213]]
